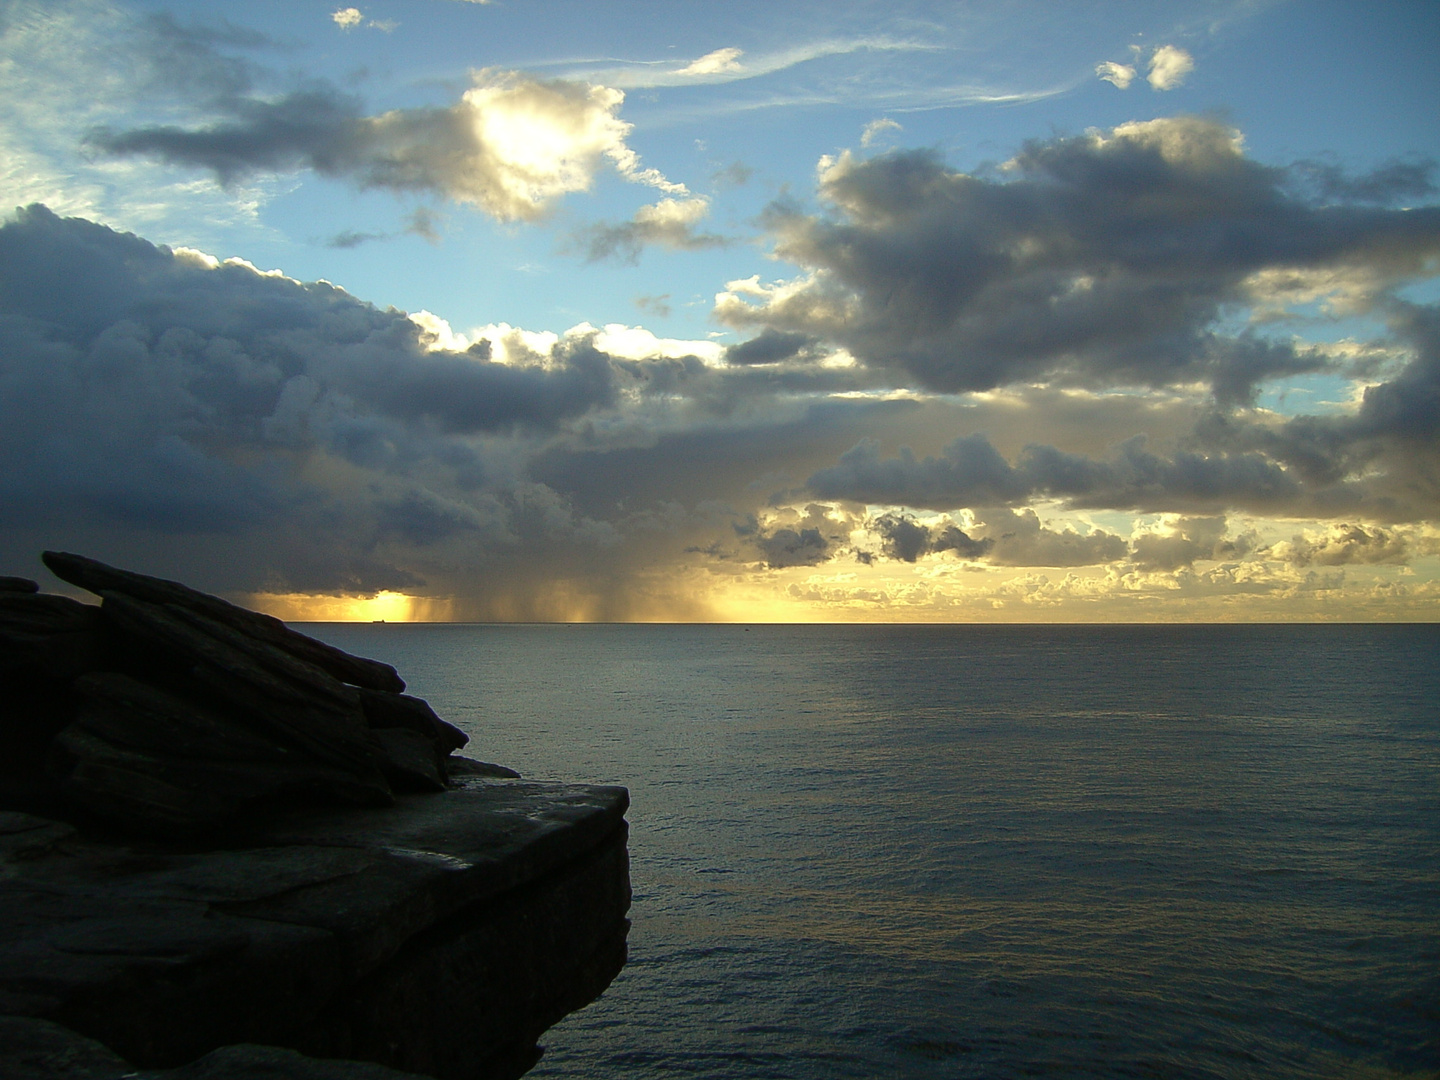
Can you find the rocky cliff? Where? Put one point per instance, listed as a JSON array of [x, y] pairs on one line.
[[216, 831]]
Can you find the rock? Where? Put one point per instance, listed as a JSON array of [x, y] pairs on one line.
[[440, 936], [250, 1062], [402, 710], [412, 762], [137, 715], [161, 795], [17, 585], [32, 1049], [235, 883], [50, 636], [97, 578], [26, 836], [333, 731], [463, 766]]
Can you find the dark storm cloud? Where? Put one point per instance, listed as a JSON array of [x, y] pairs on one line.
[[1098, 260], [970, 472], [1380, 460], [145, 391]]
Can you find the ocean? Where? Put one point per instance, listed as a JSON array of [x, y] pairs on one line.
[[999, 851]]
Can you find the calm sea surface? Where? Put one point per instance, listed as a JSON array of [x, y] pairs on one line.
[[987, 851]]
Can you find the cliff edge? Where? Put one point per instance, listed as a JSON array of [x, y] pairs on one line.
[[216, 832]]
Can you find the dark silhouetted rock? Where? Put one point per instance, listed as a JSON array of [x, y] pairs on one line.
[[227, 850], [331, 729], [441, 936], [456, 766], [412, 764], [32, 1049], [402, 710], [17, 585], [97, 578], [250, 1062]]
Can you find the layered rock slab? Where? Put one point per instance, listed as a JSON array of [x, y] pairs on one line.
[[441, 935]]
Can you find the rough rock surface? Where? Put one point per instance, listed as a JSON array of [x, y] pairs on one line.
[[39, 1050], [172, 713], [212, 835]]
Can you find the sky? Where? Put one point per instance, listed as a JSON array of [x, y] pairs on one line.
[[669, 311]]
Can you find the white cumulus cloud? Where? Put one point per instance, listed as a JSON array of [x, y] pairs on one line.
[[347, 18], [1168, 67]]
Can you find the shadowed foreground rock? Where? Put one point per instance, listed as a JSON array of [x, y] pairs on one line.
[[212, 837]]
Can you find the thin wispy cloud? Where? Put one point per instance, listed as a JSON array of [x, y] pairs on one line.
[[725, 65]]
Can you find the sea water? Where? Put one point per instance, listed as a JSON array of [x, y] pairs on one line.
[[861, 851]]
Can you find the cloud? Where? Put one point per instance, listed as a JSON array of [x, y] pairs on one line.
[[512, 145], [217, 422], [1181, 541], [968, 473], [1168, 67], [769, 347], [719, 62], [1378, 461], [793, 538], [792, 547], [736, 174], [1106, 259], [1344, 544], [1020, 539], [906, 539], [655, 305], [723, 65], [1118, 75], [1395, 181], [876, 130], [670, 223], [71, 66], [349, 238], [145, 390], [347, 18]]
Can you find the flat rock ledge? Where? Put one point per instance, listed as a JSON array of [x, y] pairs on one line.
[[226, 852]]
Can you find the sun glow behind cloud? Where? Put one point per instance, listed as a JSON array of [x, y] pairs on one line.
[[383, 606]]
